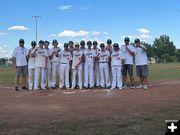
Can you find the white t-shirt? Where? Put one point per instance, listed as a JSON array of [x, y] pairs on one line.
[[65, 57], [20, 54], [127, 55], [31, 61], [76, 59], [141, 56], [103, 56], [54, 58], [40, 57], [116, 58], [89, 55]]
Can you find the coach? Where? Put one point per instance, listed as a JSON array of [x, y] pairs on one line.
[[19, 58]]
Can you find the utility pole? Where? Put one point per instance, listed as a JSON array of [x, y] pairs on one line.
[[36, 18]]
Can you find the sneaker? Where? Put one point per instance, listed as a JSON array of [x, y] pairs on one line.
[[119, 88], [43, 88], [132, 86], [72, 88], [30, 89], [24, 88], [36, 89], [145, 87], [139, 87], [16, 88], [112, 88], [124, 86]]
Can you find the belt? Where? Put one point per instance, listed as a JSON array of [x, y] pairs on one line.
[[102, 62], [63, 63]]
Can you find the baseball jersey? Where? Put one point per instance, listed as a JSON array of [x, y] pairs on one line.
[[65, 57], [20, 54], [40, 56], [48, 60], [103, 56], [89, 55], [116, 58], [54, 58], [127, 55], [31, 61], [76, 59], [140, 56], [83, 50]]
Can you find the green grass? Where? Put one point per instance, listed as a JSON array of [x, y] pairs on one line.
[[157, 72], [143, 124]]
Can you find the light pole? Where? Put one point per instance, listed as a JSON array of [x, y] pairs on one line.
[[36, 18]]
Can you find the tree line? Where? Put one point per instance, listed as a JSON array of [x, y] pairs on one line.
[[163, 50]]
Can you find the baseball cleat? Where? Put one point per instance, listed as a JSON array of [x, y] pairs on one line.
[[139, 87], [145, 87]]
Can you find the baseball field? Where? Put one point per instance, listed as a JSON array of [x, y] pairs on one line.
[[91, 112]]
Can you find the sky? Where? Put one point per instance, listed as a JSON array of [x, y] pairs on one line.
[[98, 20]]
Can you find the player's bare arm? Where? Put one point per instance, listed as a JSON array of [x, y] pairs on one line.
[[130, 52]]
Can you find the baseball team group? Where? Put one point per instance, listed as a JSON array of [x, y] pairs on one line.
[[84, 65]]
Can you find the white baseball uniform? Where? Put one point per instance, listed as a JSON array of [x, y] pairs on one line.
[[77, 55], [31, 69], [54, 64], [97, 72], [116, 64], [64, 59], [88, 68], [104, 68], [48, 70], [40, 65]]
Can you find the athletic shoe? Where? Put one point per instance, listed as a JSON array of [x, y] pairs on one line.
[[132, 86], [139, 87], [36, 89], [145, 87], [24, 88], [16, 88], [67, 88], [30, 89], [124, 86], [120, 88], [112, 88], [43, 88], [72, 88]]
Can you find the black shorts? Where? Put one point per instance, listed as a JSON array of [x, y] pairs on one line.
[[127, 68], [142, 71]]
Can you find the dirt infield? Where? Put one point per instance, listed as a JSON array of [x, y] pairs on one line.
[[40, 107]]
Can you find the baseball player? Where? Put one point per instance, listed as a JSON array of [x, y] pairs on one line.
[[48, 69], [89, 66], [141, 62], [19, 58], [41, 58], [31, 66], [82, 49], [77, 67], [54, 62], [103, 57], [117, 61], [65, 58], [110, 49], [71, 49], [129, 52], [96, 71]]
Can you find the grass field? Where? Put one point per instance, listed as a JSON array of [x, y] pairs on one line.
[[131, 112], [157, 72]]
